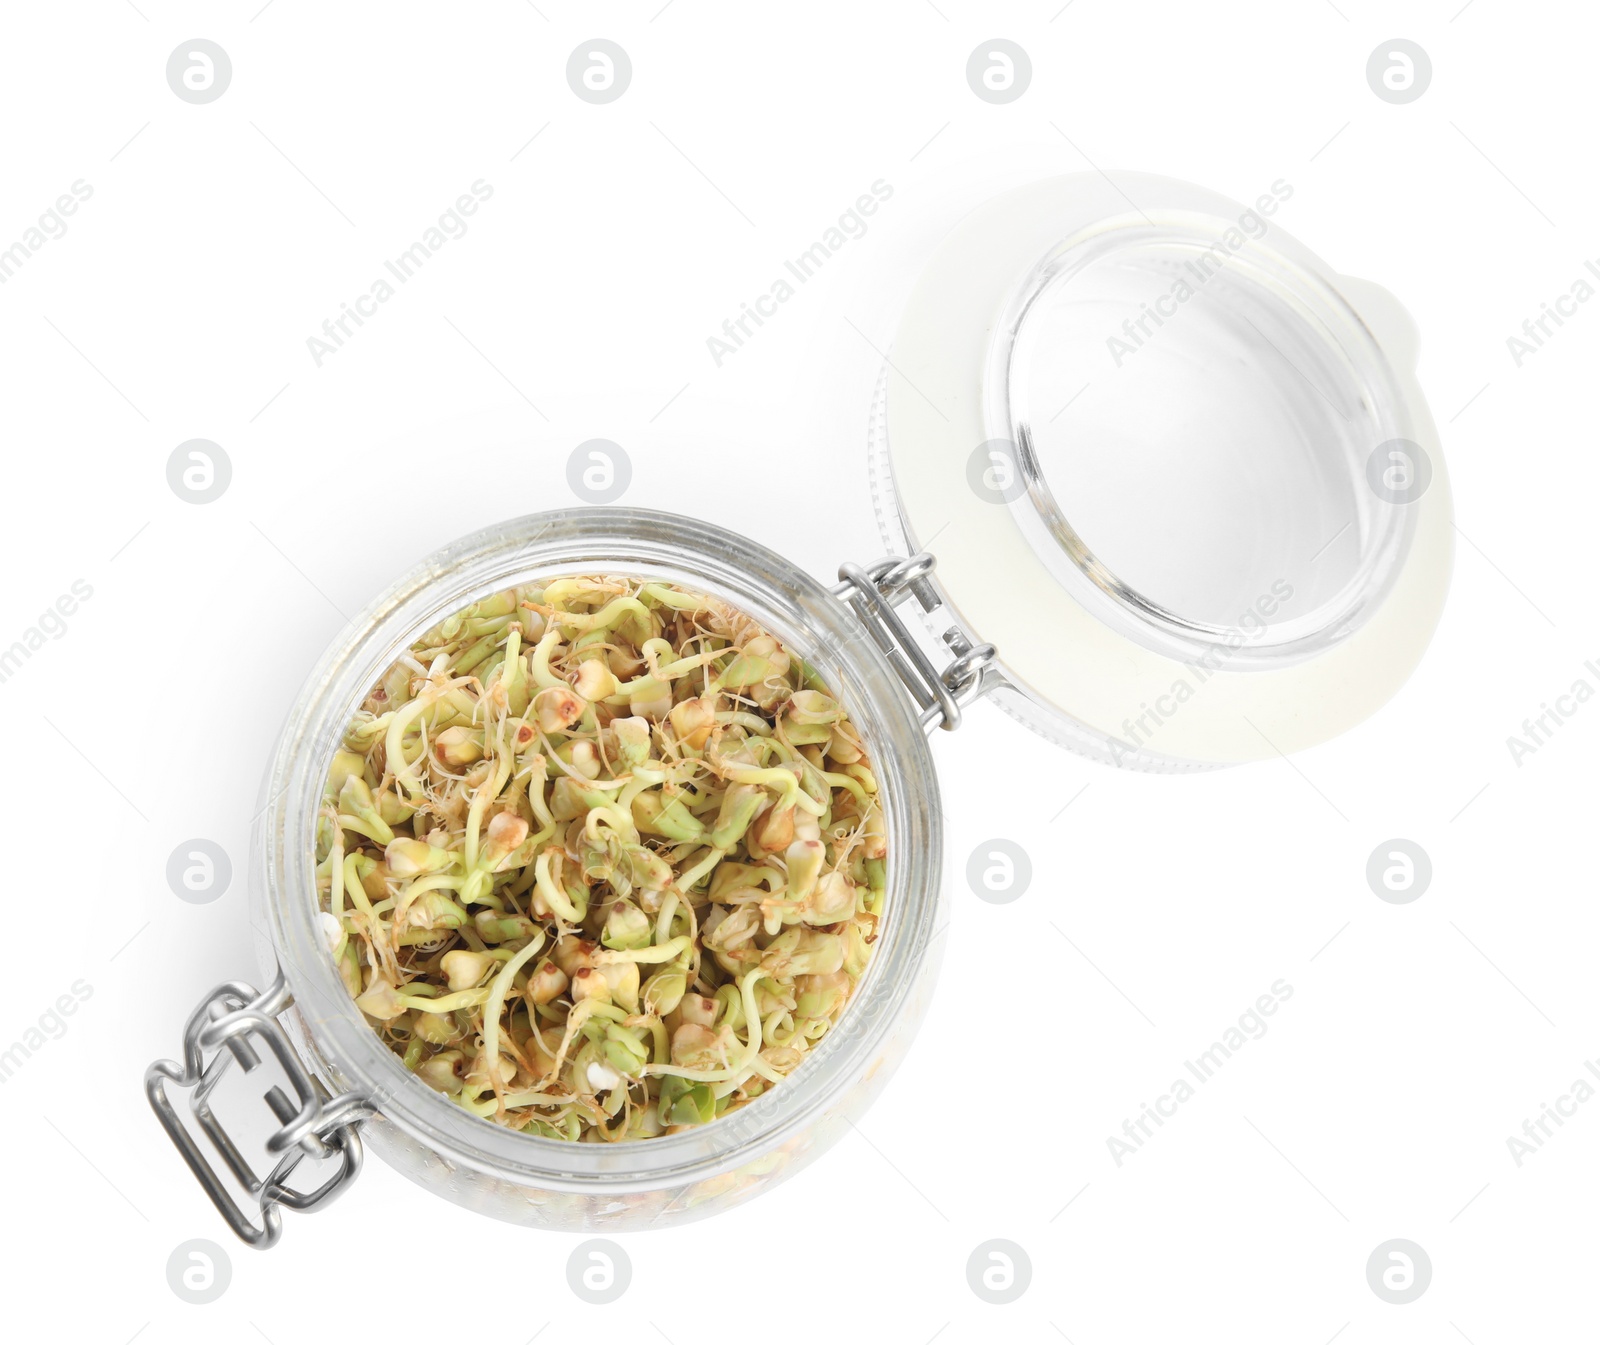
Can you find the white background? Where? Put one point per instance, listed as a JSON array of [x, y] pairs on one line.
[[178, 305]]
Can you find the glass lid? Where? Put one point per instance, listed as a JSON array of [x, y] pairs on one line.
[[1172, 465]]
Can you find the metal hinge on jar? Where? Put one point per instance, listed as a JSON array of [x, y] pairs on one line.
[[314, 1125], [873, 592]]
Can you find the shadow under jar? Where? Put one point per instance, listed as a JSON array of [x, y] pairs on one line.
[[1120, 556]]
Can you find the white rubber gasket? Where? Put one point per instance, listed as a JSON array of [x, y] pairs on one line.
[[1062, 655]]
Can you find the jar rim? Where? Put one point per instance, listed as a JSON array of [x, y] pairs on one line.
[[345, 1050]]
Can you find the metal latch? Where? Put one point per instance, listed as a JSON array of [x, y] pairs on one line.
[[872, 593], [313, 1125]]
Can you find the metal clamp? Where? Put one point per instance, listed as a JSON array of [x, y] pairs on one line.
[[314, 1125], [873, 592]]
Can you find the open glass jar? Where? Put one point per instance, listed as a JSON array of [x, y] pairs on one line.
[[1117, 637], [519, 1177]]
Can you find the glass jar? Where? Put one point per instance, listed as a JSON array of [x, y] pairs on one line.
[[1239, 548], [476, 1163]]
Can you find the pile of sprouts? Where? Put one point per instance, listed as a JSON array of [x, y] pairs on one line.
[[601, 859]]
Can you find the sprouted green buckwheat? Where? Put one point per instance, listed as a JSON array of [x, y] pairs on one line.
[[601, 859]]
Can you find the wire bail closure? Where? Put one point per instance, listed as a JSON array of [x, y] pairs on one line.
[[313, 1125], [873, 593]]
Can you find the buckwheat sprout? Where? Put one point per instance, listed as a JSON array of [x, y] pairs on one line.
[[661, 953], [554, 897], [495, 1004], [601, 859], [747, 1057]]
